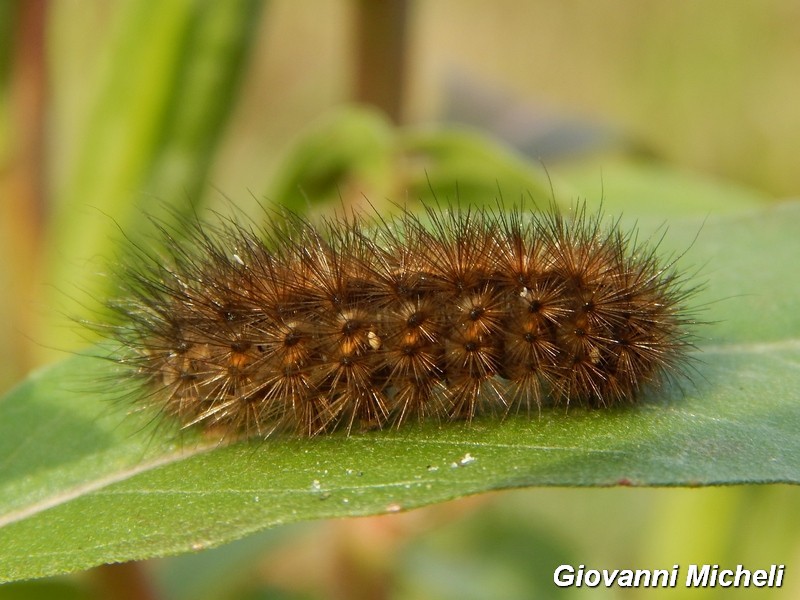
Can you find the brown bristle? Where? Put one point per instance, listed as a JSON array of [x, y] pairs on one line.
[[363, 323]]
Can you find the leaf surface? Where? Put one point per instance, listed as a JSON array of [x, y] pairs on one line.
[[83, 483]]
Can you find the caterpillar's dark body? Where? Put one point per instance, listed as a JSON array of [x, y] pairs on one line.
[[362, 322]]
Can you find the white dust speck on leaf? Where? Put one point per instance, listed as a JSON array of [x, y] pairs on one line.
[[464, 461]]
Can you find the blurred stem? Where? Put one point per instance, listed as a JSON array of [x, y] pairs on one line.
[[122, 581], [29, 84], [22, 184], [381, 31]]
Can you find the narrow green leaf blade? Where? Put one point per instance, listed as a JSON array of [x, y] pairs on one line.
[[152, 133]]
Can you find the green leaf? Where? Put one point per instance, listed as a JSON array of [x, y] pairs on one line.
[[355, 152], [443, 161], [346, 153], [659, 189], [157, 115], [83, 483]]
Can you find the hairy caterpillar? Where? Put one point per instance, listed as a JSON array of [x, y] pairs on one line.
[[365, 322]]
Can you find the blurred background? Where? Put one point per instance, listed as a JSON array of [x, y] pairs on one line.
[[109, 109]]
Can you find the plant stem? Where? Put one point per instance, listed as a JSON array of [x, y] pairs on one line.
[[22, 179], [381, 32]]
